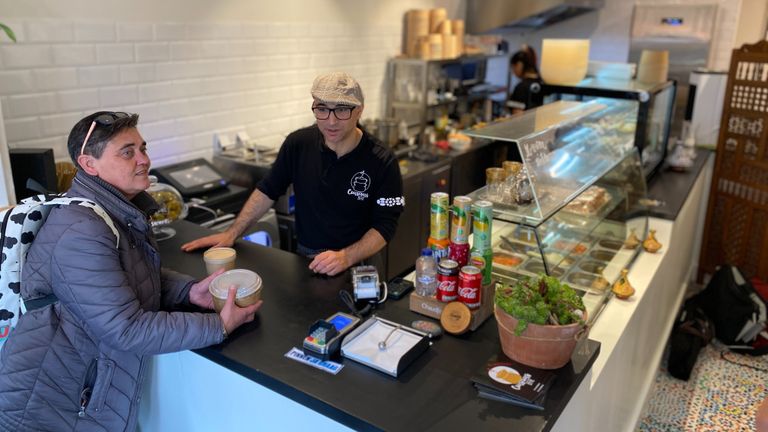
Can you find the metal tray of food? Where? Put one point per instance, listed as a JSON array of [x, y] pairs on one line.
[[612, 244], [592, 266], [587, 281], [514, 247], [556, 259], [601, 254], [508, 260], [534, 267]]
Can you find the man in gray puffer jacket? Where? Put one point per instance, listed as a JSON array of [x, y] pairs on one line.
[[79, 363]]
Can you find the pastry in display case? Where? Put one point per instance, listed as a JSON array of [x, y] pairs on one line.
[[584, 195]]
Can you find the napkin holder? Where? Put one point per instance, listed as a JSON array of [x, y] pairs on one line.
[[412, 342]]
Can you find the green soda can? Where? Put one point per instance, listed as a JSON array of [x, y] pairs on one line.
[[438, 215], [481, 255], [482, 220]]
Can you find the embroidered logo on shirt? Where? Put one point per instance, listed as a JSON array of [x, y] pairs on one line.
[[391, 202], [360, 183]]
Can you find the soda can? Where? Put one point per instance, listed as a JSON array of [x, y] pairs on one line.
[[461, 218], [470, 282], [440, 248], [447, 280], [482, 219], [438, 215], [483, 260], [459, 252]]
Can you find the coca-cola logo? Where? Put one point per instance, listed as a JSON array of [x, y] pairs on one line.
[[427, 306], [468, 292], [447, 286]]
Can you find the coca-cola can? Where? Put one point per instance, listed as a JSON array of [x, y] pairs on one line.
[[447, 280], [469, 291]]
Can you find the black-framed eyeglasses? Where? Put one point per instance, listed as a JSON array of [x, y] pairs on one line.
[[341, 112], [105, 119]]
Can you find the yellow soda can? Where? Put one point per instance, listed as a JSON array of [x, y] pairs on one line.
[[438, 216]]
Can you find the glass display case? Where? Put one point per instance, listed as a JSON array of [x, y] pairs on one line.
[[575, 200], [654, 105], [422, 90]]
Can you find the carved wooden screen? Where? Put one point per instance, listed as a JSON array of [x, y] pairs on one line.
[[736, 230]]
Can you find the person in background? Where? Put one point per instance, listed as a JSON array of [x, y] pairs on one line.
[[527, 92], [97, 310], [348, 188]]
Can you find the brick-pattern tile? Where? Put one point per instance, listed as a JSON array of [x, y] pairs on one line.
[[187, 80]]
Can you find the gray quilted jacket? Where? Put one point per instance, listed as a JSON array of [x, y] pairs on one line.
[[78, 364]]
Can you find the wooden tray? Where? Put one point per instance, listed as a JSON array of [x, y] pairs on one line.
[[432, 308]]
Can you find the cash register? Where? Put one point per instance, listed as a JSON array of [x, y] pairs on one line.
[[214, 202], [203, 186]]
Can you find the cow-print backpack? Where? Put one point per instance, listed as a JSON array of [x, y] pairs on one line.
[[20, 225]]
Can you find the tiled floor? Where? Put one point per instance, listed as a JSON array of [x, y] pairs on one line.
[[719, 396]]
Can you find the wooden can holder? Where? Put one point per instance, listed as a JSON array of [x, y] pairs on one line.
[[433, 308]]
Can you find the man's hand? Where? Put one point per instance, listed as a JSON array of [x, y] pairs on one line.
[[234, 316], [223, 239], [199, 294], [330, 262]]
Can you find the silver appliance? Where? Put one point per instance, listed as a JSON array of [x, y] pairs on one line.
[[486, 16], [685, 31]]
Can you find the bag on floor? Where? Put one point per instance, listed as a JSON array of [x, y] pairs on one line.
[[692, 331], [20, 225], [735, 308]]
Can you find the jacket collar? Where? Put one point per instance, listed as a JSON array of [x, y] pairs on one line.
[[138, 210]]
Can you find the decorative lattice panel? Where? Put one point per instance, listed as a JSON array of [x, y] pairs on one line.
[[736, 230]]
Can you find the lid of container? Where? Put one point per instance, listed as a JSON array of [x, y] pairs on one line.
[[246, 281], [219, 253], [426, 252]]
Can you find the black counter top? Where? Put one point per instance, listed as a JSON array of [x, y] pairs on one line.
[[671, 187], [433, 393]]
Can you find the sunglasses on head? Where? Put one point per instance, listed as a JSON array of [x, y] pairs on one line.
[[106, 119]]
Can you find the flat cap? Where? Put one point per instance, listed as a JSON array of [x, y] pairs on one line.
[[337, 88]]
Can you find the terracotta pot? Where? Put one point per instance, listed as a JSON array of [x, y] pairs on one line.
[[539, 346]]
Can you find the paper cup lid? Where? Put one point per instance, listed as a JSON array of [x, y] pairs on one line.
[[246, 281]]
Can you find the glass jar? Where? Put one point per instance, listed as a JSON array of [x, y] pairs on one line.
[[172, 207], [494, 180]]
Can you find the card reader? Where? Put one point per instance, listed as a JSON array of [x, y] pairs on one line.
[[325, 336]]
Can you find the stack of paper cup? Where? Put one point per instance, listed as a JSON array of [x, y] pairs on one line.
[[436, 17], [653, 66], [417, 25], [458, 31]]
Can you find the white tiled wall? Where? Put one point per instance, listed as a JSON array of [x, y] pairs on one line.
[[186, 80]]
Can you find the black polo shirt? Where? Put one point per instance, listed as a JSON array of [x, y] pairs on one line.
[[528, 93], [337, 199]]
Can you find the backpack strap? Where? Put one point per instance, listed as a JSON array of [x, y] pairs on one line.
[[99, 210], [52, 200]]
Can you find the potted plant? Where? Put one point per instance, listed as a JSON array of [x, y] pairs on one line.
[[539, 320]]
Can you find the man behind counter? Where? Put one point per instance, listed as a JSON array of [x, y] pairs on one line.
[[349, 193]]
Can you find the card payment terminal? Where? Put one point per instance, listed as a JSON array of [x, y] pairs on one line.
[[325, 336]]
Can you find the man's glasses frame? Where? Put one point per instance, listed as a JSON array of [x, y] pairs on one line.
[[324, 113], [105, 119]]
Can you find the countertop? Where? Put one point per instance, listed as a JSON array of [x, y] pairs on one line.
[[671, 188], [433, 393]]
